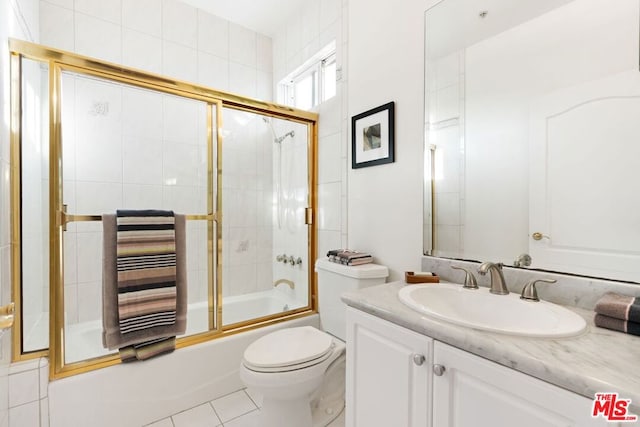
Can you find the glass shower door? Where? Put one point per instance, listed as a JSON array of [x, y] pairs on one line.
[[125, 147], [265, 185], [34, 218]]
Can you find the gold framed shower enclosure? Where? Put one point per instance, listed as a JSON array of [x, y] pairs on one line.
[[59, 61]]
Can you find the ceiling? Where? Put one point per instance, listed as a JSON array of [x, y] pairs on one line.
[[263, 16]]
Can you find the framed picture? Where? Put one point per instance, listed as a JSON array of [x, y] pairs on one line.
[[372, 137]]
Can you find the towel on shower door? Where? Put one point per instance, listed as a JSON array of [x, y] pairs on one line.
[[148, 349], [146, 266], [144, 284]]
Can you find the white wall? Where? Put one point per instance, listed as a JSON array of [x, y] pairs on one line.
[[385, 63]]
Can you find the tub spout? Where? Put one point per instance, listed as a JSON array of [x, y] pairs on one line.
[[286, 282]]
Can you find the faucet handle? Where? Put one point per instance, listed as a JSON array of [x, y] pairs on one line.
[[529, 292], [469, 279]]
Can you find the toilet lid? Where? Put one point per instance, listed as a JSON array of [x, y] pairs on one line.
[[286, 347]]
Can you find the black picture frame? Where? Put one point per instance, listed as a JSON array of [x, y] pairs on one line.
[[372, 137]]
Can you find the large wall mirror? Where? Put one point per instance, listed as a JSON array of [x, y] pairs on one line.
[[533, 134]]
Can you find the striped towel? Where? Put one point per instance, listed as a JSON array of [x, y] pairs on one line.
[[147, 350], [146, 269]]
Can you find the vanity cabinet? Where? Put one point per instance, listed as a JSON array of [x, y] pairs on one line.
[[473, 391], [388, 373], [386, 386]]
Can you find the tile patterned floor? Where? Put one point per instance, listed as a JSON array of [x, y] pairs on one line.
[[238, 409]]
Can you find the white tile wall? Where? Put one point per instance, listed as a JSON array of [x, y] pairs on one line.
[[143, 15], [108, 11], [24, 387], [242, 45], [141, 50], [142, 196], [308, 31], [25, 415], [138, 151], [97, 38], [179, 23], [28, 401], [213, 35], [64, 3], [243, 77], [329, 209], [330, 157], [56, 25], [179, 61], [89, 301], [213, 71], [264, 49]]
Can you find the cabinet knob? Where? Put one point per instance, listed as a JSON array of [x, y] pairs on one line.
[[439, 370], [418, 359]]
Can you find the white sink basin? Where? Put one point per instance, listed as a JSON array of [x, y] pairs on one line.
[[480, 309]]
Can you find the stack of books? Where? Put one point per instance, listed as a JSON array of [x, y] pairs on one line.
[[348, 257]]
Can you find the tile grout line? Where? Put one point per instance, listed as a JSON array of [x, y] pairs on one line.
[[216, 412], [251, 399]]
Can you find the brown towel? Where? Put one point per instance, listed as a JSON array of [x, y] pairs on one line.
[[112, 338], [147, 350], [619, 306], [620, 325]]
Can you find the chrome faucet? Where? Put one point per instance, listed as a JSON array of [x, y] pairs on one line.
[[498, 285]]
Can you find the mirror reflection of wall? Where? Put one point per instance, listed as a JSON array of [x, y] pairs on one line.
[[531, 109]]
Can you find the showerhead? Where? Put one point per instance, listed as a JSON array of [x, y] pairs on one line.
[[283, 137], [277, 139]]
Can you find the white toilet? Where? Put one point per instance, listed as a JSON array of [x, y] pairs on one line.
[[300, 371]]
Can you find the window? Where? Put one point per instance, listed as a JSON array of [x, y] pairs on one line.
[[313, 83]]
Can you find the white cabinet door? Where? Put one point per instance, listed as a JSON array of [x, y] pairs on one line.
[[387, 379], [474, 392]]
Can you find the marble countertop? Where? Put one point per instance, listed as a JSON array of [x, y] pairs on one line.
[[599, 360]]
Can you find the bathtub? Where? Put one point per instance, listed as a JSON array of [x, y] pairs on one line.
[[84, 340], [136, 394]]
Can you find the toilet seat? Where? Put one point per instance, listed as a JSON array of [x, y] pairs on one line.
[[289, 350]]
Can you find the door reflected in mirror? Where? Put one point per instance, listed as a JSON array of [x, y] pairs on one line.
[[532, 128]]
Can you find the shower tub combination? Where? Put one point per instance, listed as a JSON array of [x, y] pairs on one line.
[[136, 394], [83, 340], [104, 137]]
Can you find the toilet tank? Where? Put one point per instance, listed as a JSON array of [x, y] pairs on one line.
[[335, 279]]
